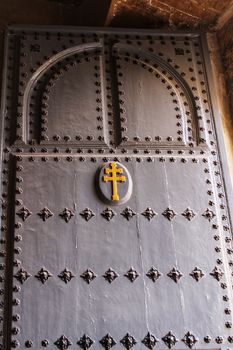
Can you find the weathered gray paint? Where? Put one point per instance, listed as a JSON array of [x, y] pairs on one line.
[[83, 98]]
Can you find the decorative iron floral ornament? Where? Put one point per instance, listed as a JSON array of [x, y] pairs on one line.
[[107, 342], [22, 275], [189, 339], [66, 214], [45, 214], [108, 214], [66, 275], [175, 274], [132, 274], [153, 274], [43, 275], [110, 275], [170, 339], [197, 274], [114, 183], [169, 214], [88, 276], [62, 343], [128, 213], [24, 213], [128, 341], [85, 342], [87, 214], [149, 213], [150, 341]]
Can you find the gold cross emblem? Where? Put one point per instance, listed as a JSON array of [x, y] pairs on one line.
[[114, 171]]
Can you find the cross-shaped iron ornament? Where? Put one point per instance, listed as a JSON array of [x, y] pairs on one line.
[[114, 179]]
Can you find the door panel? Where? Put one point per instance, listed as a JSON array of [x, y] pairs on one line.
[[139, 243], [143, 82], [142, 88], [74, 121], [76, 266]]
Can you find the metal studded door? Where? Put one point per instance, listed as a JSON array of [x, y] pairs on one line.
[[115, 223]]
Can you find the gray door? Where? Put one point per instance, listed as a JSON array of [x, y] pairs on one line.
[[115, 223]]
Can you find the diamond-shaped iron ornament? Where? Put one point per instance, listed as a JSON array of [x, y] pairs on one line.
[[85, 342], [208, 214], [217, 273], [188, 214], [45, 214], [110, 275], [128, 341], [153, 274], [189, 339], [170, 340], [22, 275], [107, 342], [66, 214], [197, 273], [175, 274], [43, 275], [88, 276], [149, 213], [128, 213], [87, 214], [108, 214], [66, 275], [132, 274], [149, 341], [169, 214], [24, 213], [62, 343]]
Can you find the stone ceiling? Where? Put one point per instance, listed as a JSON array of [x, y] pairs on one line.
[[184, 14], [175, 14]]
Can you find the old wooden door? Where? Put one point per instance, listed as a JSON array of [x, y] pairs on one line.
[[115, 222]]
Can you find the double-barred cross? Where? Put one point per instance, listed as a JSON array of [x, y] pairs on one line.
[[114, 171]]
